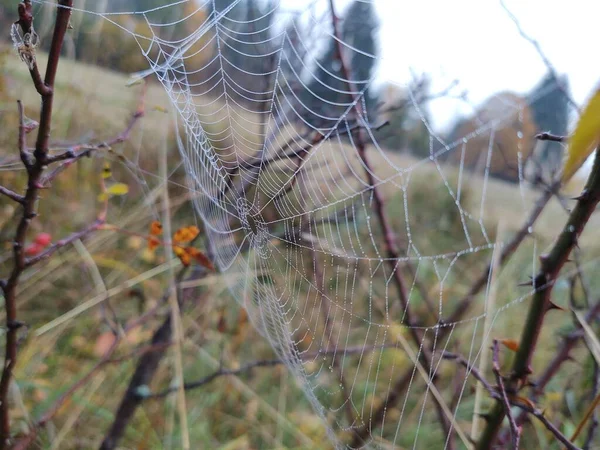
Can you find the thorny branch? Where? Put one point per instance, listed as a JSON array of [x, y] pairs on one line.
[[551, 264], [472, 370]]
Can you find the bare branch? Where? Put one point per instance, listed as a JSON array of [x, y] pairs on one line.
[[550, 137], [223, 372], [12, 195], [34, 171], [540, 52], [64, 242]]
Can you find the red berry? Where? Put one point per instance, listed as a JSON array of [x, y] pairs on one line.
[[33, 249], [43, 239]]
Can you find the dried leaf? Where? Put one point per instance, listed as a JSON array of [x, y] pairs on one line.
[[522, 400], [511, 344], [200, 257], [156, 228], [153, 243], [186, 234]]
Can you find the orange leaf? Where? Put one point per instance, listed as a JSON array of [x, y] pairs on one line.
[[200, 257], [185, 234], [511, 344], [183, 256], [156, 228], [153, 243]]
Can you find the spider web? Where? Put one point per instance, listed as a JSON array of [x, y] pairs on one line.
[[291, 197]]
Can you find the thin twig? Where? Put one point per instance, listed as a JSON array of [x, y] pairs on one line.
[[519, 404], [550, 137], [514, 428], [82, 234], [391, 245], [540, 52], [26, 23], [539, 415], [12, 195], [223, 372], [75, 153]]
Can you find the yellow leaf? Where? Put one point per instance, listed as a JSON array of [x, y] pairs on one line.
[[106, 172], [585, 139], [186, 234], [118, 189], [511, 344], [102, 197], [161, 109]]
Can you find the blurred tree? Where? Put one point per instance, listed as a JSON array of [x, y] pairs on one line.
[[117, 50], [328, 96], [246, 44], [549, 104], [504, 124], [406, 130], [358, 32]]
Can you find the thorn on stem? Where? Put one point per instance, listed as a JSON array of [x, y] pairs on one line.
[[12, 325]]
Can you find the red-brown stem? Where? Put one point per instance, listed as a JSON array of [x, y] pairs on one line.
[[11, 194], [388, 234], [551, 264], [29, 201], [64, 242], [463, 306]]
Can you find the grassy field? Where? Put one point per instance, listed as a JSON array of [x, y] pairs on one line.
[[59, 300]]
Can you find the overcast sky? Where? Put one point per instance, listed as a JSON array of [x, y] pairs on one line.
[[476, 42]]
